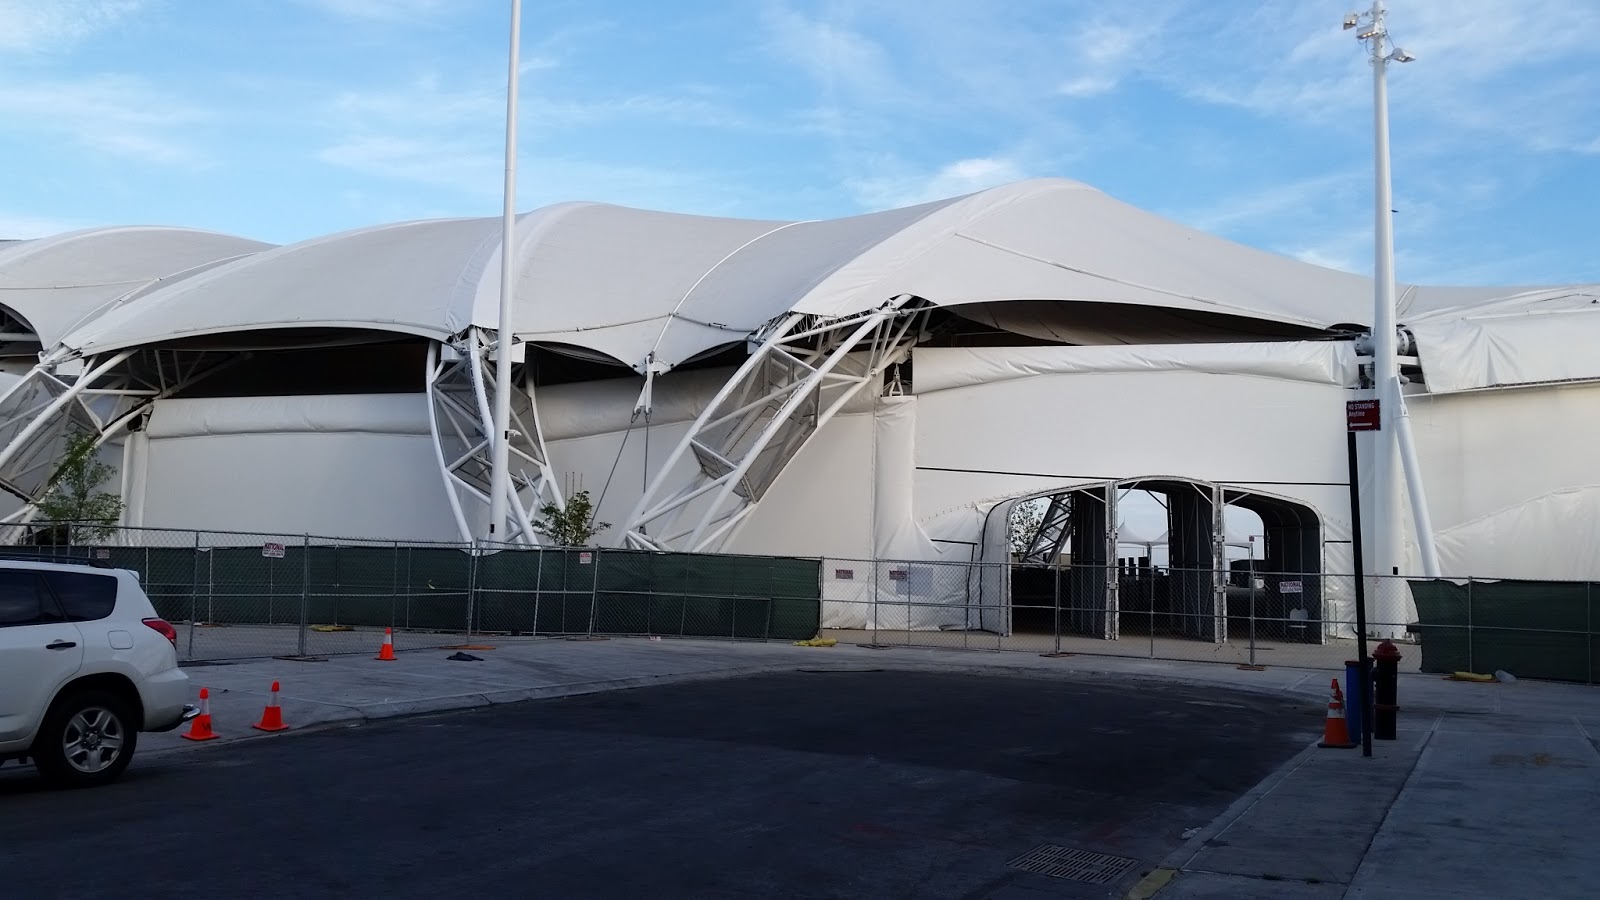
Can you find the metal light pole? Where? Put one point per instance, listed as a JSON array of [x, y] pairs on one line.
[[1385, 366], [500, 452]]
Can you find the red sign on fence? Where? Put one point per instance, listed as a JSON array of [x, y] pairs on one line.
[[272, 551], [1362, 415]]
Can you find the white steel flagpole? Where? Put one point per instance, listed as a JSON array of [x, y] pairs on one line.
[[500, 459], [1386, 531]]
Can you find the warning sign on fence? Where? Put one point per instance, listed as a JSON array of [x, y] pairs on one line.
[[585, 558], [272, 551], [1290, 587]]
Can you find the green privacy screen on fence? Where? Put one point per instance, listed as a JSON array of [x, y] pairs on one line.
[[511, 591], [1532, 629]]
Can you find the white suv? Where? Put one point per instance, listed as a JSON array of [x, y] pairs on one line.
[[85, 665]]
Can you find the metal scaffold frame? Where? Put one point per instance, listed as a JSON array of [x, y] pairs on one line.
[[461, 381], [803, 370]]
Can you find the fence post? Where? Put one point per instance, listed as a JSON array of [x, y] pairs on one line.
[[408, 586], [538, 586], [594, 590], [1469, 624], [194, 593], [394, 584], [1055, 584], [876, 574], [1251, 574], [772, 582], [1588, 627], [472, 582], [305, 591]]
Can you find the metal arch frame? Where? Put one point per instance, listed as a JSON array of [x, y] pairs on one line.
[[791, 385], [1045, 546], [101, 400], [459, 387]]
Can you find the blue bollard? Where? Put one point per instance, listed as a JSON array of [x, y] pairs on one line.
[[1354, 715]]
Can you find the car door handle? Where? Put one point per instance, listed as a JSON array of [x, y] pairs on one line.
[[60, 645]]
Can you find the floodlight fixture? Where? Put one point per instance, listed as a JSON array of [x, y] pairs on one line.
[[1351, 20], [1369, 33], [1401, 56]]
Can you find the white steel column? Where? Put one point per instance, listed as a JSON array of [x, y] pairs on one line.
[[500, 463]]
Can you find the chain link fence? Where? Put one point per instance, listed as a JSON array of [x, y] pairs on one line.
[[240, 595], [1245, 618], [236, 595]]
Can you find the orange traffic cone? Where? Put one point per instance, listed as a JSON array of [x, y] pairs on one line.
[[272, 716], [1335, 732], [200, 728], [386, 652]]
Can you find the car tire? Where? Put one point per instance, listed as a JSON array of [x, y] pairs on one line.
[[87, 739]]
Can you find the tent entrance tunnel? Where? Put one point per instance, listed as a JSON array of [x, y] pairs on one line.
[[1230, 564]]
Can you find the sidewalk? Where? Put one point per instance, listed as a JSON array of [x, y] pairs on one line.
[[1487, 792]]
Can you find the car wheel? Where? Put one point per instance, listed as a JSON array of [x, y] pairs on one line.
[[87, 739]]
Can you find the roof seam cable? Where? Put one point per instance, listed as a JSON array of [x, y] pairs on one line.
[[707, 274], [1102, 277]]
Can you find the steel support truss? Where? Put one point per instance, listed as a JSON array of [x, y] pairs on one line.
[[803, 370], [461, 381], [60, 399]]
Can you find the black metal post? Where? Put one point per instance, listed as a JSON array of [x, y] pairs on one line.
[[1361, 595]]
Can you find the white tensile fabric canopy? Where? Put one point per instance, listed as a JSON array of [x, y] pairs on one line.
[[637, 286], [56, 283]]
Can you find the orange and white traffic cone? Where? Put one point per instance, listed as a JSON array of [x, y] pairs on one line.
[[272, 716], [386, 652], [1335, 731], [200, 728]]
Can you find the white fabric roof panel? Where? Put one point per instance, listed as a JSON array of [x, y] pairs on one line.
[[1533, 338], [407, 278], [55, 283], [1060, 240], [1315, 362], [625, 283], [617, 280]]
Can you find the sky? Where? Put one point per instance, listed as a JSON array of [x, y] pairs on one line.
[[285, 119]]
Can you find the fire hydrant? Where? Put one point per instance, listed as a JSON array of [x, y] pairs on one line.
[[1386, 689]]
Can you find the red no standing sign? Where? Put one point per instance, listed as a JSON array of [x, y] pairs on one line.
[[1362, 415]]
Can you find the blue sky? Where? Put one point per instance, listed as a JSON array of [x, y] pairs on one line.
[[285, 119]]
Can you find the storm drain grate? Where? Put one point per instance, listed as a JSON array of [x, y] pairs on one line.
[[1076, 865]]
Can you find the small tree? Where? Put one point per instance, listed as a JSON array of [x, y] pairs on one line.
[[73, 500], [571, 527]]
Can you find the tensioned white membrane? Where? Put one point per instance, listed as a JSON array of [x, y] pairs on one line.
[[58, 282], [334, 413], [357, 465], [1539, 337], [1325, 362], [1547, 537], [637, 284]]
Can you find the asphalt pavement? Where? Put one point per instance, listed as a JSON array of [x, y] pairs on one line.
[[826, 783]]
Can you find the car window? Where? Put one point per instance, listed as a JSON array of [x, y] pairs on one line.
[[84, 597], [21, 600]]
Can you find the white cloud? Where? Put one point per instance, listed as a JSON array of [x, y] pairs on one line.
[[453, 164], [120, 116], [1252, 207], [16, 226], [900, 187], [387, 10], [40, 25], [1520, 72], [1088, 86]]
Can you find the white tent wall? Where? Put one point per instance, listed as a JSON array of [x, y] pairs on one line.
[[348, 465], [1512, 479]]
